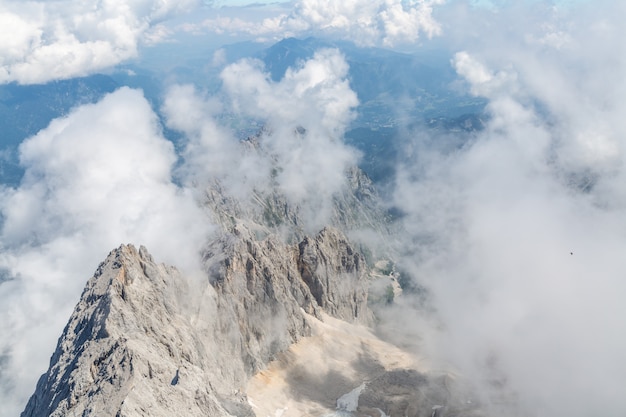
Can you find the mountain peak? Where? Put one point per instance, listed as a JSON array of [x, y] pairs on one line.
[[143, 339]]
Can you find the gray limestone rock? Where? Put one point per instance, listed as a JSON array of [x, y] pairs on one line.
[[143, 340], [127, 339], [355, 208], [334, 273]]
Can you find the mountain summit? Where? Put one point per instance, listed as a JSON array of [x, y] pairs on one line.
[[143, 340], [270, 327], [276, 322]]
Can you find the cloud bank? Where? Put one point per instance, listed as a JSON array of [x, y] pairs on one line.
[[519, 234], [301, 152], [368, 23], [42, 41]]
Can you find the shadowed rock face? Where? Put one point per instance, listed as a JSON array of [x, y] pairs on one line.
[[143, 340], [332, 270]]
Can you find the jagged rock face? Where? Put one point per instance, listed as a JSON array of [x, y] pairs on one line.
[[324, 259], [129, 349], [357, 207], [143, 340], [268, 285]]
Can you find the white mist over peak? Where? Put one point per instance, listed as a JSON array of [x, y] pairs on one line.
[[304, 115], [307, 113], [98, 177]]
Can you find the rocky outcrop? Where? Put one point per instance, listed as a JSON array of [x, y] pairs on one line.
[[334, 273], [262, 283], [143, 340], [355, 207], [129, 348]]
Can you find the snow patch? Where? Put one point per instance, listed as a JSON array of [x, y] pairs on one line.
[[350, 401]]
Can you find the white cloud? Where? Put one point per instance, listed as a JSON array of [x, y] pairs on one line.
[[473, 71], [380, 22], [518, 235], [318, 90], [307, 113], [47, 40], [302, 154], [95, 179], [211, 150]]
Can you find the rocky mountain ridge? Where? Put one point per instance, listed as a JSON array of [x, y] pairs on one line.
[[355, 208], [143, 340], [146, 340]]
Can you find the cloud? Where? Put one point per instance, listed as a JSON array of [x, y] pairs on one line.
[[211, 151], [94, 179], [306, 113], [304, 116], [318, 91], [49, 40], [518, 234], [381, 22]]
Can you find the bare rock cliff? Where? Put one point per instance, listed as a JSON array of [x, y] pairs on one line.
[[143, 340]]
